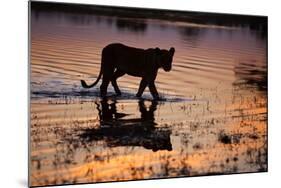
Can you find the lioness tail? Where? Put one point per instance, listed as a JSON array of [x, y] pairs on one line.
[[85, 85]]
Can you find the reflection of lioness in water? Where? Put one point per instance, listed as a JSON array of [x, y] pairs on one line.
[[118, 60]]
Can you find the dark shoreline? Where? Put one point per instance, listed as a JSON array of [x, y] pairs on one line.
[[254, 22]]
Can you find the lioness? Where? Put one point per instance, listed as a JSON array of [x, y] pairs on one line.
[[118, 60]]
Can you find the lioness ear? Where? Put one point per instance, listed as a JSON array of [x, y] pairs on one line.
[[157, 50], [172, 50]]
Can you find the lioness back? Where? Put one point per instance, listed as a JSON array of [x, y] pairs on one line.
[[127, 59]]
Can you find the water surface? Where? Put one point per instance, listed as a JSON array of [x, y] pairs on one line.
[[213, 119]]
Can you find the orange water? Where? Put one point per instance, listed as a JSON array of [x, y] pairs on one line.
[[213, 119]]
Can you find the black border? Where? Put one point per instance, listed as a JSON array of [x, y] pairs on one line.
[[147, 9]]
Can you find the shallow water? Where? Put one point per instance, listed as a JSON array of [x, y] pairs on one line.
[[213, 119]]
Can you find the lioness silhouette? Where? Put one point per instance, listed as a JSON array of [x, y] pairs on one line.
[[119, 59]]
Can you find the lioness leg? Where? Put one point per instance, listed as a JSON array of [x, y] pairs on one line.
[[153, 90], [116, 75], [103, 87], [107, 75], [142, 87]]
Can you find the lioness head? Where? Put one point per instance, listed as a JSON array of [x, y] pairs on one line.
[[165, 58]]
